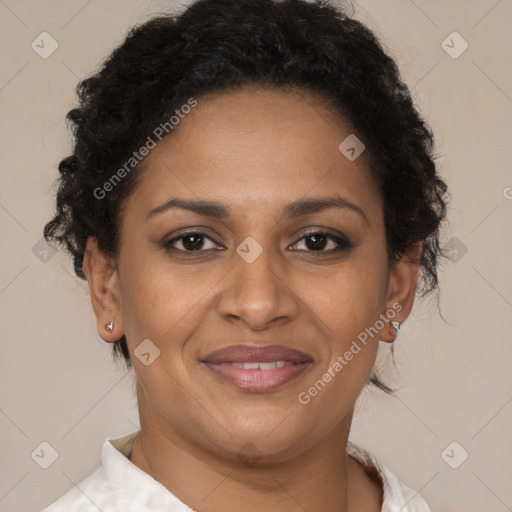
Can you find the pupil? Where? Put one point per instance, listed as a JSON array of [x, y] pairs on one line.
[[197, 244], [316, 245]]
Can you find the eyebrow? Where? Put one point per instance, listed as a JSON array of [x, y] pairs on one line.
[[293, 210]]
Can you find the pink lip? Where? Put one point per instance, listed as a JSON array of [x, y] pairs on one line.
[[219, 361], [262, 354]]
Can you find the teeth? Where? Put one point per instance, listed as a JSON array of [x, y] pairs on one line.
[[262, 366], [270, 366]]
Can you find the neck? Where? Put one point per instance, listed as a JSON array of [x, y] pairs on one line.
[[322, 478]]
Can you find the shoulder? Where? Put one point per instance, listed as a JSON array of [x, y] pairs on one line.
[[117, 485], [396, 495], [91, 494], [99, 491]]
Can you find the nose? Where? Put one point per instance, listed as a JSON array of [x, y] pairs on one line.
[[259, 293]]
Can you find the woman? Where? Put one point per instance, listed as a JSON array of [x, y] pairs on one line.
[[253, 200]]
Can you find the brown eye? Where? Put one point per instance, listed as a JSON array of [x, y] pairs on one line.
[[192, 241], [318, 241]]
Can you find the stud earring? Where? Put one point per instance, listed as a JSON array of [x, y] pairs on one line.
[[396, 325], [109, 327]]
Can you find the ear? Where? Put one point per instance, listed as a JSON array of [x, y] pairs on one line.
[[102, 277], [402, 281]]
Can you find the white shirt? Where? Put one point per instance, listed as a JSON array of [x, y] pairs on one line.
[[118, 485]]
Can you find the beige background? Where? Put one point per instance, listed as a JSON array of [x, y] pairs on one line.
[[59, 383]]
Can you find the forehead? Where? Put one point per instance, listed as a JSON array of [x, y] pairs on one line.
[[256, 146]]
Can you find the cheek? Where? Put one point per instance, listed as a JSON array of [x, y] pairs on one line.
[[163, 301], [346, 307], [351, 297]]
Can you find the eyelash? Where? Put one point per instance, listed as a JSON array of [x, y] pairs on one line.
[[343, 244]]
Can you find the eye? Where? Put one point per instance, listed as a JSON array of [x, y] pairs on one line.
[[193, 241], [317, 241]]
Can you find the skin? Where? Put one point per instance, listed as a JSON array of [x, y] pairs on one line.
[[255, 151]]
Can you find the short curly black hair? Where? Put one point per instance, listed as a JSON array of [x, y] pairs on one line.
[[222, 45]]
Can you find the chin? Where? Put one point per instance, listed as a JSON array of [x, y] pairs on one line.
[[273, 438]]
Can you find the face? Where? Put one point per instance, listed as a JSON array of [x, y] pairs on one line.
[[267, 265]]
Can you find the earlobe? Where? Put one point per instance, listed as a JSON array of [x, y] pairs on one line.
[[402, 284], [101, 274], [390, 332]]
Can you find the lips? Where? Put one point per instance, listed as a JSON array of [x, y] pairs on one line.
[[249, 354], [257, 368]]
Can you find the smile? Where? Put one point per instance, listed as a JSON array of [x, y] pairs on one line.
[[257, 368], [261, 366]]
